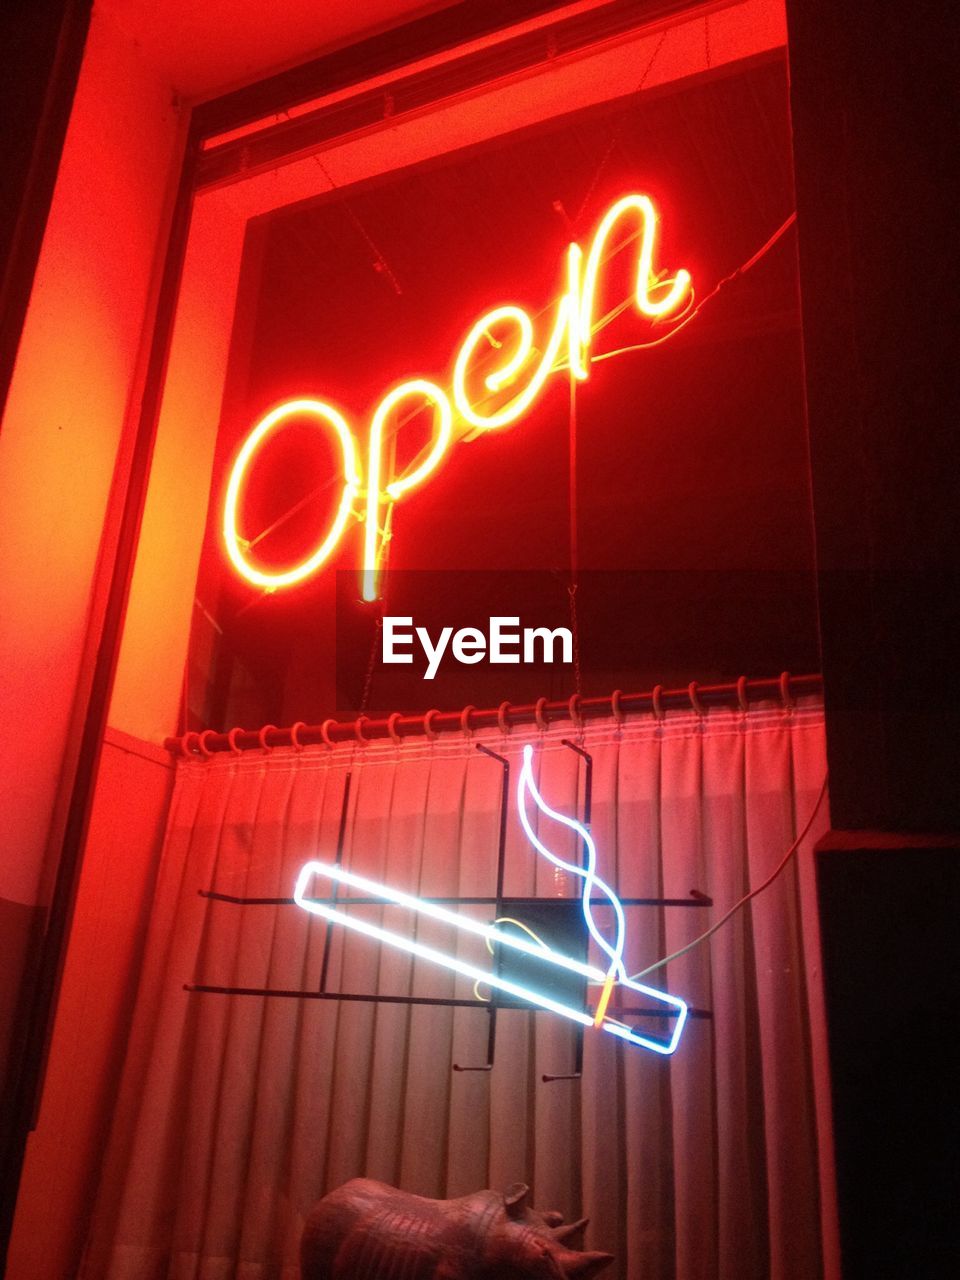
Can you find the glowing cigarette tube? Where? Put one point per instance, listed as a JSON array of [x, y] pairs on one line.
[[616, 972], [489, 933]]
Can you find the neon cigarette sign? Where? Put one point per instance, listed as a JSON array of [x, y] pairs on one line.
[[480, 399], [613, 975]]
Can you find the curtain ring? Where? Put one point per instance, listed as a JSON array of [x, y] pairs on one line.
[[325, 733], [742, 694], [693, 692], [358, 730], [428, 729], [465, 726], [503, 713], [615, 708], [657, 705], [295, 735], [392, 727], [785, 695], [232, 740], [202, 744], [542, 722], [185, 748], [262, 736], [573, 710]]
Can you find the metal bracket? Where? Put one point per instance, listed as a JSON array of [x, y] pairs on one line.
[[500, 903]]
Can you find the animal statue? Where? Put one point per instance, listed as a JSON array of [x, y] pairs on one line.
[[366, 1230]]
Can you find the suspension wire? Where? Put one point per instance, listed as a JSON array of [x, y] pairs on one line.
[[383, 266], [616, 131], [572, 483], [675, 955], [380, 264], [574, 581], [694, 311]]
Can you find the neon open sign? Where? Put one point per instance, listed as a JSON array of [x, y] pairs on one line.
[[606, 979], [479, 399]]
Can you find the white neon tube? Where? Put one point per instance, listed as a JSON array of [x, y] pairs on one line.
[[527, 786], [616, 974], [430, 953], [487, 932]]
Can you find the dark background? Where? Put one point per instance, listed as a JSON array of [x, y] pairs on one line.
[[693, 517], [873, 97]]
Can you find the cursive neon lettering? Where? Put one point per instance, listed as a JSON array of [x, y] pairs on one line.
[[466, 410], [237, 547], [377, 495], [522, 401]]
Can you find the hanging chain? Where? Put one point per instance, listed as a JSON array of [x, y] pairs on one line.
[[371, 663]]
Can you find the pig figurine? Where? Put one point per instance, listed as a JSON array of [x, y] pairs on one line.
[[366, 1230]]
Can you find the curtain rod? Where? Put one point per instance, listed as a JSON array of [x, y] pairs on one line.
[[694, 697]]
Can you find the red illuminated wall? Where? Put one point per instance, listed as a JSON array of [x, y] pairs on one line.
[[75, 382], [882, 484], [113, 907]]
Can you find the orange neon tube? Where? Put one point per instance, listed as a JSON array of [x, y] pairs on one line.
[[508, 327], [585, 289], [237, 546], [443, 428], [514, 408]]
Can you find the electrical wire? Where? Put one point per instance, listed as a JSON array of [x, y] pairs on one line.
[[520, 925], [738, 906], [675, 955], [695, 311]]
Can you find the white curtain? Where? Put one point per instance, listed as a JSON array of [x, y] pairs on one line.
[[236, 1113]]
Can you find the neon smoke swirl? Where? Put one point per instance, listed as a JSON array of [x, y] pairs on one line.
[[591, 881], [333, 912]]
